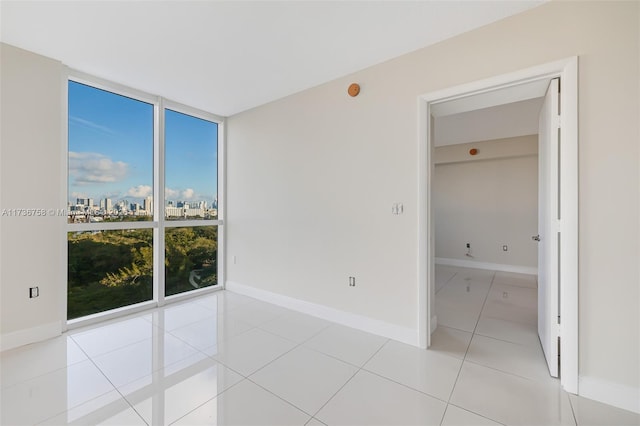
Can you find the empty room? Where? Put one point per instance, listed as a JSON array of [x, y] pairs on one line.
[[320, 212]]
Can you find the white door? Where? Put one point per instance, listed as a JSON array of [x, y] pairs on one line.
[[548, 226]]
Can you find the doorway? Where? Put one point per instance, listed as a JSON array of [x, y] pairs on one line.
[[497, 91]]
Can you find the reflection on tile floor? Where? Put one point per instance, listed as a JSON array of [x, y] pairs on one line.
[[227, 359]]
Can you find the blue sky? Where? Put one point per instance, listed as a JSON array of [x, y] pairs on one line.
[[111, 150]]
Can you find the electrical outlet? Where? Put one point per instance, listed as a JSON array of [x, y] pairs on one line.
[[505, 248], [352, 281], [468, 245], [34, 292]]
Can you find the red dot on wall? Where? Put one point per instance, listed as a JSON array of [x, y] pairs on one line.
[[473, 151]]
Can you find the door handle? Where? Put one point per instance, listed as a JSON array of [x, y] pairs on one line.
[[536, 237]]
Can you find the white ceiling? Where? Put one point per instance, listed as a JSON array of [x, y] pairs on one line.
[[496, 122], [495, 114], [230, 56], [505, 95]]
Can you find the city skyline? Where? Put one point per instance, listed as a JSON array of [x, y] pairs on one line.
[[92, 202], [107, 208], [111, 150]]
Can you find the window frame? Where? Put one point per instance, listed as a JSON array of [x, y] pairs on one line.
[[158, 222]]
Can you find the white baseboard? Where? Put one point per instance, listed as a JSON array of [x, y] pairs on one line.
[[434, 323], [464, 263], [30, 335], [621, 396], [360, 322]]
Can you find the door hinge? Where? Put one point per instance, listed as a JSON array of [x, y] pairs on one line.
[[557, 122]]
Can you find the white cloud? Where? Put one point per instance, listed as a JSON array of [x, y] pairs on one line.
[[171, 193], [91, 125], [140, 191], [188, 194], [93, 167]]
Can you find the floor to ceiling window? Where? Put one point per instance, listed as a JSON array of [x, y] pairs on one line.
[[143, 207], [191, 194]]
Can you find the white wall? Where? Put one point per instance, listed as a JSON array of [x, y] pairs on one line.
[[488, 200], [311, 177], [32, 171]]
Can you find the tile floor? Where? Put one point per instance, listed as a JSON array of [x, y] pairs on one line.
[[228, 359]]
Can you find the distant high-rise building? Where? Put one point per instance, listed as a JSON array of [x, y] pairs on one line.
[[148, 205], [108, 205]]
